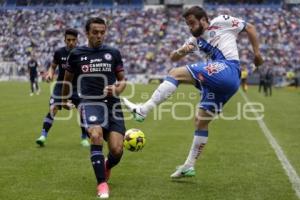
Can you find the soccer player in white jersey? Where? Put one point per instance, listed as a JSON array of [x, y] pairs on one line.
[[218, 78]]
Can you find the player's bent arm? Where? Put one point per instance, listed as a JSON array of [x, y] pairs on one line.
[[252, 35], [66, 86], [117, 88], [177, 55], [121, 84], [181, 52], [51, 72]]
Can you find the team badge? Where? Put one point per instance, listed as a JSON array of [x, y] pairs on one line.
[[214, 68], [212, 34], [85, 68], [108, 56]]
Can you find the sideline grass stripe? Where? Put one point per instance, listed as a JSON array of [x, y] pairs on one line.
[[289, 169]]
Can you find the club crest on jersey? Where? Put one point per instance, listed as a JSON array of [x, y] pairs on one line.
[[212, 34], [85, 68], [214, 68], [108, 56]]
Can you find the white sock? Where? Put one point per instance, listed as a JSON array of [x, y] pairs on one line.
[[200, 139], [164, 90]]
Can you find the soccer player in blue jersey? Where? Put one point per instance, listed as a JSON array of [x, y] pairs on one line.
[[218, 78], [101, 79], [60, 60], [33, 75]]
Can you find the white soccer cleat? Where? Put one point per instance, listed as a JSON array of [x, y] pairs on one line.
[[183, 171], [135, 109]]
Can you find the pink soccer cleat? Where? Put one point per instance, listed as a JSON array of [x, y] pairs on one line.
[[103, 191]]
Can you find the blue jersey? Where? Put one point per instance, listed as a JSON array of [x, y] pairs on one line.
[[60, 58], [97, 68]]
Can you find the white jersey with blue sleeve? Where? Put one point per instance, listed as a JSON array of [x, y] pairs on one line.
[[219, 40], [219, 78]]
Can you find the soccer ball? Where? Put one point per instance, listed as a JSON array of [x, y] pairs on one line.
[[134, 139]]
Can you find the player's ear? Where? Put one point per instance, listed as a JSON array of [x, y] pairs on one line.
[[203, 20]]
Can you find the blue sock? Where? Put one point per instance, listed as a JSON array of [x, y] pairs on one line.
[[113, 160], [97, 160], [203, 133], [47, 124]]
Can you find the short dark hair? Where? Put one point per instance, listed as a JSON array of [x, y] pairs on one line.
[[197, 11], [71, 31], [96, 20]]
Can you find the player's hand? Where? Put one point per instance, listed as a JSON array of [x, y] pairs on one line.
[[258, 60], [112, 90], [185, 49], [68, 105], [49, 77]]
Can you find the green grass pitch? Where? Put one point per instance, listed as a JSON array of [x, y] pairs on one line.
[[238, 163]]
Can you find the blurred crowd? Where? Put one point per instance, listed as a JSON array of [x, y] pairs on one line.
[[243, 1], [146, 38]]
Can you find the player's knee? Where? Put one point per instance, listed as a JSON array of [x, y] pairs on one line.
[[117, 151], [53, 110], [96, 139], [201, 122], [96, 135], [174, 73]]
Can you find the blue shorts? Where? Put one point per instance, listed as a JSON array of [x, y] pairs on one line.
[[33, 78], [109, 117], [218, 82]]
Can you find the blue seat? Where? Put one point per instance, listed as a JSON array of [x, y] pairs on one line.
[[11, 2]]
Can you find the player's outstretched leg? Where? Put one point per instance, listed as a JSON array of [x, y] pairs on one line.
[[164, 90], [135, 109]]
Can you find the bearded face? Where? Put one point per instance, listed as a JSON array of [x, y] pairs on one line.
[[195, 25]]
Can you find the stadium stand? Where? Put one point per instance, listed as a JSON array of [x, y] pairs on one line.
[[146, 37], [268, 2]]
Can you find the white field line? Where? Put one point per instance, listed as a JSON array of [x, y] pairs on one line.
[[289, 169]]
